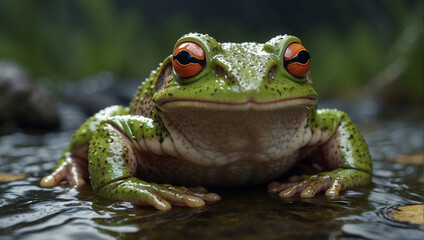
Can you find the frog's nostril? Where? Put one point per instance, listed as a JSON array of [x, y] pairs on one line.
[[271, 72], [221, 71]]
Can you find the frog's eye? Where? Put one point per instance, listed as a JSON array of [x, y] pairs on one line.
[[297, 60], [188, 59]]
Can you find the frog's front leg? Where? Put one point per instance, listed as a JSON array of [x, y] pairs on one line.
[[338, 146], [113, 154], [72, 165]]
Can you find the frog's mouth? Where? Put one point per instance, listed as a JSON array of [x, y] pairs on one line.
[[249, 105]]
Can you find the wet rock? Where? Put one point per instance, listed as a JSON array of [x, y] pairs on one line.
[[22, 102]]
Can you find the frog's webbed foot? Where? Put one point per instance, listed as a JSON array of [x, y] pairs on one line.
[[160, 196], [71, 170], [199, 192], [331, 182], [308, 187]]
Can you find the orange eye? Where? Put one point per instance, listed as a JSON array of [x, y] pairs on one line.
[[297, 60], [188, 59]]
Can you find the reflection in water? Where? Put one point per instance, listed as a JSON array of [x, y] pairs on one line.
[[28, 211]]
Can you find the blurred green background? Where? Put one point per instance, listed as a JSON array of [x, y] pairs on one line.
[[359, 48]]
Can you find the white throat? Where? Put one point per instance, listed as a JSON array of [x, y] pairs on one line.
[[216, 138]]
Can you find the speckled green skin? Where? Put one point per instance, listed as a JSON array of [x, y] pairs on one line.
[[113, 139]]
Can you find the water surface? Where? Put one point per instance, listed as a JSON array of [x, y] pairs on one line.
[[30, 212]]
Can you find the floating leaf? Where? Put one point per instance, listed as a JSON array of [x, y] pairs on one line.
[[410, 213], [5, 177]]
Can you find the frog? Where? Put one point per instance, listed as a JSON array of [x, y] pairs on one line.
[[217, 114]]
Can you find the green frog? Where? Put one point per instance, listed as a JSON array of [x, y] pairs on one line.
[[217, 114]]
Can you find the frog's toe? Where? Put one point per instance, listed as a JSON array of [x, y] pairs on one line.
[[204, 194], [334, 189], [55, 177], [151, 199], [316, 186], [293, 190], [200, 192], [178, 198], [331, 186], [310, 187], [209, 197], [71, 170]]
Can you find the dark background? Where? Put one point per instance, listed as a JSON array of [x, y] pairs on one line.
[[358, 48]]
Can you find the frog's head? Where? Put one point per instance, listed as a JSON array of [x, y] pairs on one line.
[[228, 76], [204, 78]]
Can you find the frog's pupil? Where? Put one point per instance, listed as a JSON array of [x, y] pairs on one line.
[[185, 58], [302, 57]]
